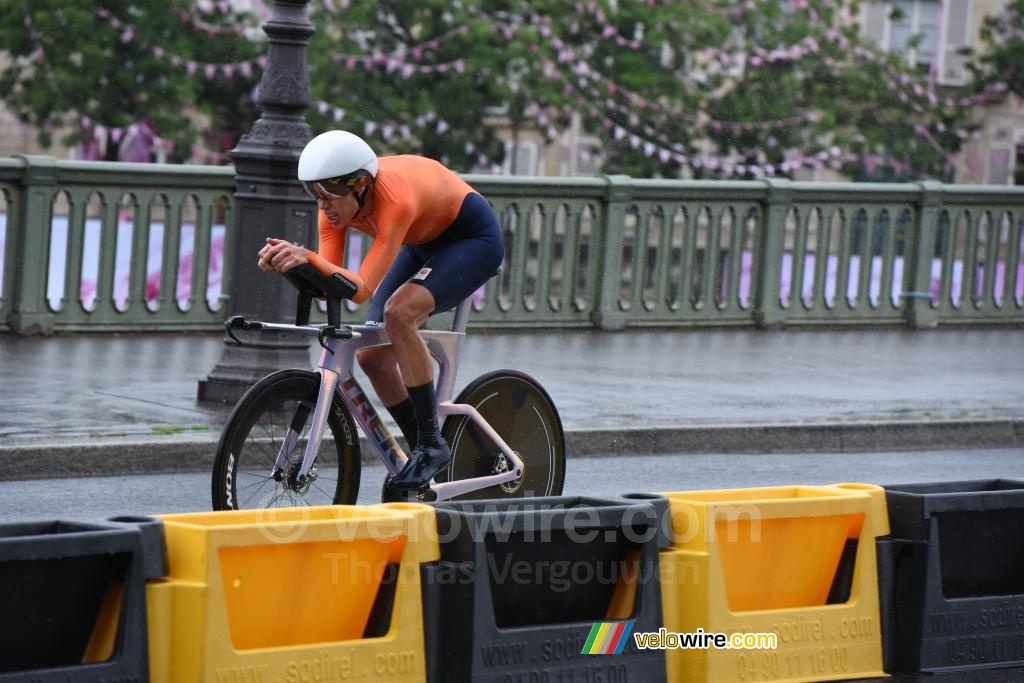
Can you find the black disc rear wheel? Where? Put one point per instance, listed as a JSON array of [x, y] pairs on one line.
[[524, 416]]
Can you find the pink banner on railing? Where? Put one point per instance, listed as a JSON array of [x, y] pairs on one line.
[[57, 269]]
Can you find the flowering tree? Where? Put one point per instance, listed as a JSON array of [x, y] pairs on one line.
[[709, 88], [127, 74], [724, 89], [1001, 62]]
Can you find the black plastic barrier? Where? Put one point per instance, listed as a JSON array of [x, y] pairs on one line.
[[521, 585], [74, 605], [951, 576]]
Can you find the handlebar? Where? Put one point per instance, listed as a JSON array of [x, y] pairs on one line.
[[240, 323], [311, 284]]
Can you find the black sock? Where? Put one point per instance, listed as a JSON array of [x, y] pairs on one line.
[[422, 397], [404, 415]]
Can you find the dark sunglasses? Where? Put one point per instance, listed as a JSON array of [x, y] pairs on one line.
[[332, 187]]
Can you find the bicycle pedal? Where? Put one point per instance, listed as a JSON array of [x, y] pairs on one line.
[[426, 495]]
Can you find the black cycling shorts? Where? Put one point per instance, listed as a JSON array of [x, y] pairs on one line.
[[466, 255]]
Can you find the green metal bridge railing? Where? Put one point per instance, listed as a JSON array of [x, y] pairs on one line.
[[143, 247]]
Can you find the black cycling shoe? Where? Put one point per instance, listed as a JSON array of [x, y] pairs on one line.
[[425, 462]]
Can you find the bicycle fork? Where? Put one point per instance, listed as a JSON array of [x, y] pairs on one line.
[[324, 400]]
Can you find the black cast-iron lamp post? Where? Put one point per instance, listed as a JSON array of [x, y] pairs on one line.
[[269, 202]]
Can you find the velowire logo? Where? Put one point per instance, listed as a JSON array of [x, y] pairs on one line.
[[607, 638]]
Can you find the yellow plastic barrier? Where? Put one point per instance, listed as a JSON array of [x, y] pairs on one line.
[[776, 560], [292, 595]]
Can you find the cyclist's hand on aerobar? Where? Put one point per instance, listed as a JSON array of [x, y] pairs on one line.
[[281, 255]]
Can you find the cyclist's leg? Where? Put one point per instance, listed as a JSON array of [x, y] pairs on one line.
[[466, 256], [380, 363]]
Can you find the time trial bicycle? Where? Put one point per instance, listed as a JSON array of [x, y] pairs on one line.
[[292, 440]]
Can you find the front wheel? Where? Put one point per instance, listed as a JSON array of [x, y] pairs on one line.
[[277, 412], [523, 415]]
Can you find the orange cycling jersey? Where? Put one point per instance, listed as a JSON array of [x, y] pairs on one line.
[[415, 199]]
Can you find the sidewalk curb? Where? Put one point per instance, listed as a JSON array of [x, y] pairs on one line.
[[155, 456]]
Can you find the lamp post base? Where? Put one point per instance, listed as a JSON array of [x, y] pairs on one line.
[[242, 366]]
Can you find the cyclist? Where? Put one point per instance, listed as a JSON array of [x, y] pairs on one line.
[[436, 241]]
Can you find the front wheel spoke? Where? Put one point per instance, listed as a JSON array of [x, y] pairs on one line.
[[317, 487], [279, 494], [262, 481], [256, 493], [264, 445]]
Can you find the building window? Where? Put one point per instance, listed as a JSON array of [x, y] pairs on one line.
[[998, 166], [914, 31], [931, 34], [521, 157]]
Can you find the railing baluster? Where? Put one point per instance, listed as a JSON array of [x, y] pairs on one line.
[[866, 256], [843, 269], [570, 258], [885, 299], [819, 293], [78, 205], [105, 311], [1013, 248], [200, 257], [732, 275], [970, 276], [991, 250], [8, 199], [639, 267], [948, 254], [796, 282], [663, 261], [688, 259], [169, 262], [520, 244], [136, 301], [545, 251]]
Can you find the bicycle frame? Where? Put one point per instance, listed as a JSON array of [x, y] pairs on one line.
[[336, 370]]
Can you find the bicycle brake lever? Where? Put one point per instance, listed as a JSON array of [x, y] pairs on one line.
[[239, 322], [343, 332], [322, 337], [231, 324]]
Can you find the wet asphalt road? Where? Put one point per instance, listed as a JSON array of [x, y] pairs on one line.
[[94, 497]]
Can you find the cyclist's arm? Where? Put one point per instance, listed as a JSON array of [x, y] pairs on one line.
[[393, 225], [331, 252]]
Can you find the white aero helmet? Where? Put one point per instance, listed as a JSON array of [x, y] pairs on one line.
[[336, 163]]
